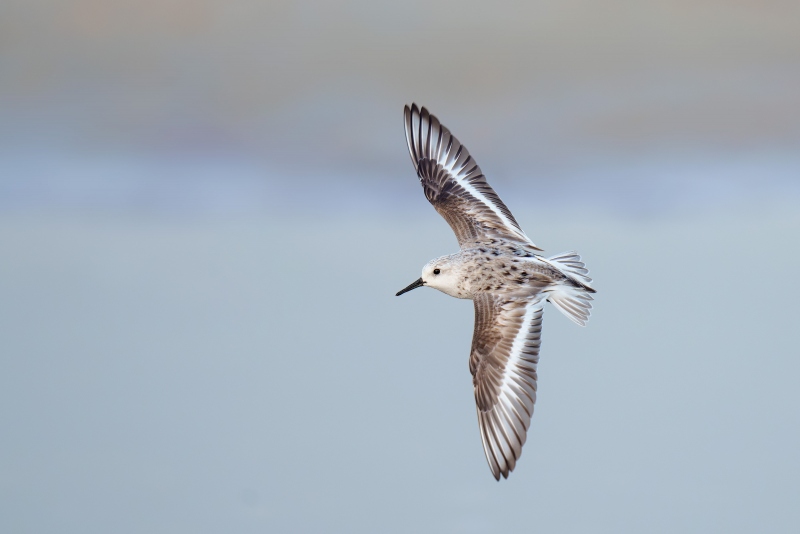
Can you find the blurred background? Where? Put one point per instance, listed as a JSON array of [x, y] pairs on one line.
[[206, 208]]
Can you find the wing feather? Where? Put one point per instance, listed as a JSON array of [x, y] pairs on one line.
[[505, 353], [454, 184]]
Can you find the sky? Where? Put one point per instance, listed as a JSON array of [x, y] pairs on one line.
[[206, 209], [652, 106]]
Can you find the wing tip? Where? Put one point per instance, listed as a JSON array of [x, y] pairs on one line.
[[424, 133], [414, 110], [501, 462]]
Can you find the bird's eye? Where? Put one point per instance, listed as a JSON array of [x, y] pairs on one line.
[[436, 271]]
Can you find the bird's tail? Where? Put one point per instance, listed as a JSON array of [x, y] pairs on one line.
[[573, 299]]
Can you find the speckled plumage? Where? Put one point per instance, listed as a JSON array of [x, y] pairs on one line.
[[499, 269]]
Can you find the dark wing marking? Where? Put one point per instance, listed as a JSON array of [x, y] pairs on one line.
[[505, 352], [454, 184]]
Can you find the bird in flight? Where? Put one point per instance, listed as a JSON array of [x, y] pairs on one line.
[[499, 269]]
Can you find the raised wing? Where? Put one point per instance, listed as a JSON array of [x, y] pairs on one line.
[[454, 184], [505, 352]]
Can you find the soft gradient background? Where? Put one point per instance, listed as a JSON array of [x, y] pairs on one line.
[[206, 208]]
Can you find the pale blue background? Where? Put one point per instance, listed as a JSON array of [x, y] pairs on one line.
[[207, 207]]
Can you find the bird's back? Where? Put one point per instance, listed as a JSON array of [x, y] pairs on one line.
[[507, 268]]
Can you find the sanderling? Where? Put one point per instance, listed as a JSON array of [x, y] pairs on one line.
[[498, 269]]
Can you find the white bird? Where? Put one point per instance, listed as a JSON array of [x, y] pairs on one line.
[[498, 268]]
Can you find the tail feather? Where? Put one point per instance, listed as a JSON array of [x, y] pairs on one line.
[[570, 263], [574, 301]]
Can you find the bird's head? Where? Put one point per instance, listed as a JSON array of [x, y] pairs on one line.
[[442, 274]]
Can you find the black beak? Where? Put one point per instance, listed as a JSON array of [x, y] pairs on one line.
[[414, 285]]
